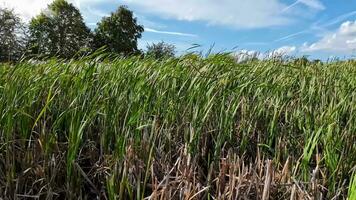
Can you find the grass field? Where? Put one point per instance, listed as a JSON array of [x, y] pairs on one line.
[[183, 128]]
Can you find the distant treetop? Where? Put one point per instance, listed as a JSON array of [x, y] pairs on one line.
[[161, 50], [119, 32]]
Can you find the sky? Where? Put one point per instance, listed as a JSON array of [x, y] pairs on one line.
[[320, 29]]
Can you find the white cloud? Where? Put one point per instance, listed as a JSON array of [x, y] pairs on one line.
[[30, 8], [149, 23], [348, 28], [343, 40], [233, 13], [351, 41], [285, 50], [80, 3], [26, 8], [96, 12], [244, 55], [281, 52]]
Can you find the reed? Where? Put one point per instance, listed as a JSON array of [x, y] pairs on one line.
[[179, 128]]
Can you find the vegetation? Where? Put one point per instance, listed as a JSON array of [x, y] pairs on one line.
[[59, 31], [13, 36], [178, 128], [90, 125], [161, 50]]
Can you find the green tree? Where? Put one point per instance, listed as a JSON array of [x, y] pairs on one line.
[[12, 36], [119, 32], [59, 31], [161, 50]]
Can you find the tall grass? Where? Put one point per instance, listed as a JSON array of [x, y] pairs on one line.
[[184, 128]]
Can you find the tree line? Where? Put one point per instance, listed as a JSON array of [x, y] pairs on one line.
[[60, 31]]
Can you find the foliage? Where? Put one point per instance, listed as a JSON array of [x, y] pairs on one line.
[[160, 50], [59, 31], [303, 61], [352, 187], [119, 32], [182, 128], [12, 36]]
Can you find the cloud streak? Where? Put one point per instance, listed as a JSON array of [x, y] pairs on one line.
[[314, 4], [339, 19], [291, 36], [170, 33]]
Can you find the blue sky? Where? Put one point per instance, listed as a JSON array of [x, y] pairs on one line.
[[319, 28]]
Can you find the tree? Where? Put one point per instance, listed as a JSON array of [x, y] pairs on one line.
[[59, 31], [161, 50], [12, 36], [119, 32]]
